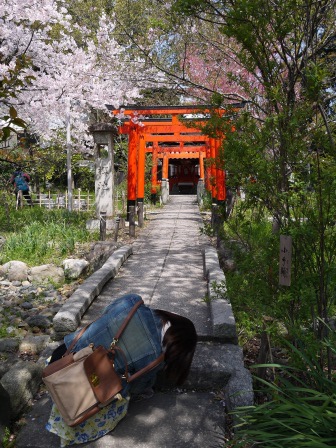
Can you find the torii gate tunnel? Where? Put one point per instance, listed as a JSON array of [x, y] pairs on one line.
[[178, 151]]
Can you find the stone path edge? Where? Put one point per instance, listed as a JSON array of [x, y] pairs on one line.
[[223, 322], [222, 318], [69, 316]]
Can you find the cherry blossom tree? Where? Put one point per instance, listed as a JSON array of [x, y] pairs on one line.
[[213, 67], [47, 77], [197, 60]]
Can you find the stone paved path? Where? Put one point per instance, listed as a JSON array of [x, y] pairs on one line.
[[166, 269]]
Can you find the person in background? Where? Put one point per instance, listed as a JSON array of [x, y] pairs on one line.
[[149, 333], [21, 180]]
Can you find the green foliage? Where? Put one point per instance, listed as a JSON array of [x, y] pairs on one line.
[[314, 80], [148, 194], [121, 194], [207, 201], [12, 122], [84, 176], [300, 411], [255, 251], [207, 229], [7, 441], [38, 236], [255, 288], [3, 330], [220, 290]]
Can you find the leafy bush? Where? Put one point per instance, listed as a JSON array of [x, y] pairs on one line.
[[207, 200], [253, 286]]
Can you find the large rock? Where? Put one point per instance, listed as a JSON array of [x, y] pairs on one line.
[[2, 273], [21, 383], [75, 267], [9, 344], [46, 273], [15, 270], [5, 411], [34, 344], [39, 321]]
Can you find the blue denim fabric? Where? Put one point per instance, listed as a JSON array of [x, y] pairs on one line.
[[141, 340]]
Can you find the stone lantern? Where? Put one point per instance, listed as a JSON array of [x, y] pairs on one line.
[[103, 134]]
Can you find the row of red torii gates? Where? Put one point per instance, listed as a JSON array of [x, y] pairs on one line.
[[169, 139]]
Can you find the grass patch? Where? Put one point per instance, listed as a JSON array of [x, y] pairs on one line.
[[299, 412], [40, 236]]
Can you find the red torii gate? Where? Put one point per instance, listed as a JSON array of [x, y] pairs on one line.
[[154, 136]]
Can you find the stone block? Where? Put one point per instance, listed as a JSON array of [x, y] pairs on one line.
[[69, 316], [223, 321], [46, 273], [15, 270]]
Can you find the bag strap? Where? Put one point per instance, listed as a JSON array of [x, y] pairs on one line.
[[125, 323], [140, 372], [146, 369], [118, 334]]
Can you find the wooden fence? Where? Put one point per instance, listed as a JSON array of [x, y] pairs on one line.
[[80, 201]]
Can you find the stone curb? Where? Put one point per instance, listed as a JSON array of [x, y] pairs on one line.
[[218, 365], [227, 359], [69, 316], [222, 318]]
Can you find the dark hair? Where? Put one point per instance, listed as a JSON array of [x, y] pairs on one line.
[[179, 344]]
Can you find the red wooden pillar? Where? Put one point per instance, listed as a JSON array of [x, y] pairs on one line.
[[208, 169], [220, 173], [132, 166], [154, 168], [141, 178], [165, 165], [201, 165], [141, 167], [213, 171]]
